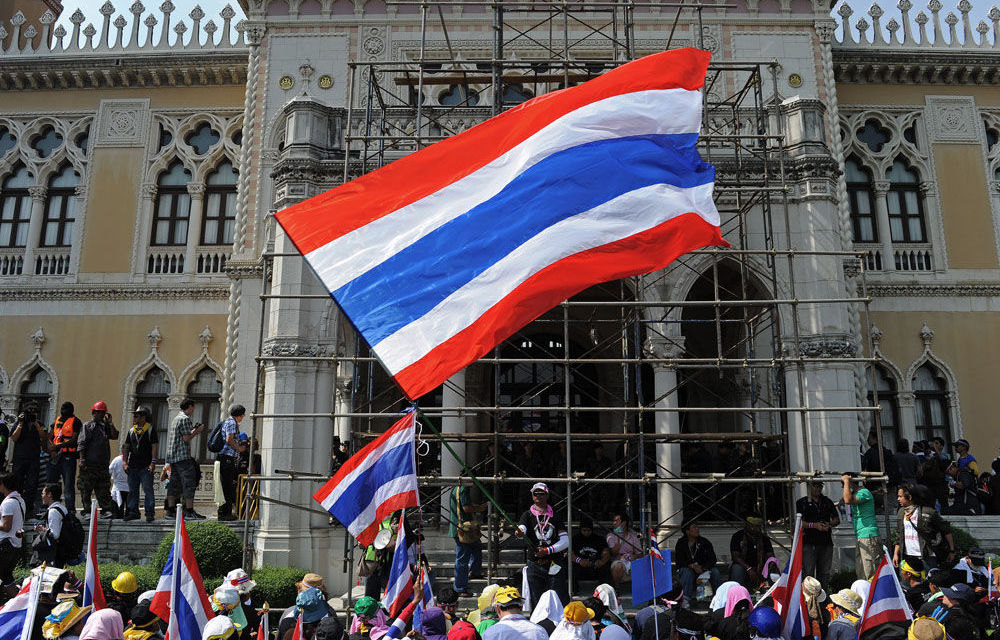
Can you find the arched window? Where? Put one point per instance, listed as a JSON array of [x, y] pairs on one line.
[[906, 210], [37, 388], [220, 206], [205, 391], [15, 208], [888, 402], [60, 213], [152, 393], [173, 207], [516, 94], [931, 403], [862, 199]]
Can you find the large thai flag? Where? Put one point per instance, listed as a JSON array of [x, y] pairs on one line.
[[399, 586], [93, 593], [787, 593], [886, 601], [180, 596], [17, 616], [375, 482], [441, 255]]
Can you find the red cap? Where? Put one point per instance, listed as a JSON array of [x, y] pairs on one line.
[[99, 406]]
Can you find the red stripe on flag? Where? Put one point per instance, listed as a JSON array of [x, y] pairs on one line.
[[640, 253], [328, 216], [384, 510]]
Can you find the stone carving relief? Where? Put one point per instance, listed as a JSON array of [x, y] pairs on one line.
[[953, 119], [122, 123]]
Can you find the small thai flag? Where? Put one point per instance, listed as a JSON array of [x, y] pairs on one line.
[[375, 482], [398, 627], [264, 630], [787, 591], [180, 596], [654, 547], [297, 633], [441, 255], [399, 588], [93, 594], [886, 601], [17, 617]]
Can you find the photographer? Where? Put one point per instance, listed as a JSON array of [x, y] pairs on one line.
[[184, 469], [94, 448], [12, 511], [28, 436]]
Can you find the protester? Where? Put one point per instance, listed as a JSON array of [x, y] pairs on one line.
[[45, 546], [369, 619], [907, 462], [913, 581], [511, 624], [94, 447], [605, 593], [966, 492], [963, 458], [546, 535], [229, 459], [661, 609], [124, 594], [750, 548], [12, 510], [145, 625], [141, 449], [184, 470], [28, 437], [312, 607], [462, 630], [484, 608], [119, 485], [693, 556], [104, 624], [434, 624], [688, 626], [575, 623], [765, 623], [819, 518], [921, 533], [239, 580], [591, 555], [66, 621], [924, 628], [65, 434], [732, 622], [953, 612], [625, 547], [218, 628], [815, 597], [935, 476], [225, 601], [977, 575], [464, 529], [548, 611], [845, 615], [866, 533]]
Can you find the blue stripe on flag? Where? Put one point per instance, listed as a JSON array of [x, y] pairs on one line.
[[186, 620], [11, 624], [394, 463], [884, 589], [560, 186]]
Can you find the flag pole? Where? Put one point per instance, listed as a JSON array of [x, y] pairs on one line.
[[465, 467], [652, 576], [34, 591], [175, 587]]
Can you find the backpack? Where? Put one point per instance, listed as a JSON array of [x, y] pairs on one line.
[[215, 439], [70, 543]]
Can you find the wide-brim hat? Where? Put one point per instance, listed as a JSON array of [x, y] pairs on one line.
[[812, 588], [64, 617], [310, 581], [311, 605], [848, 600], [239, 580]]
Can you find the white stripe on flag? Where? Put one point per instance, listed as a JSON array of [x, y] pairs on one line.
[[403, 437], [634, 212], [397, 486], [658, 111]]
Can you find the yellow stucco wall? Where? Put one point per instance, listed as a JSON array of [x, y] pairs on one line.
[[112, 210], [965, 206], [14, 102], [969, 343], [93, 355], [865, 94]]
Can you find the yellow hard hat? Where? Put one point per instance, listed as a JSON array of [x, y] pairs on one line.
[[125, 582], [506, 595]]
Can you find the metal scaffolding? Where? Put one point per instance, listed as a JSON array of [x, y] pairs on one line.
[[586, 372]]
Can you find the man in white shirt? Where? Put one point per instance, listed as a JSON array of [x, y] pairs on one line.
[[512, 625], [11, 534], [55, 511], [974, 566]]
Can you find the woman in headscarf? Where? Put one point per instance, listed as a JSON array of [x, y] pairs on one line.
[[369, 619], [719, 599], [730, 623], [105, 624], [548, 612], [575, 623], [433, 624], [812, 592], [606, 594], [861, 587]]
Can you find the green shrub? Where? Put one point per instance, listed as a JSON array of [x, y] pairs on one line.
[[963, 541], [217, 548], [276, 585]]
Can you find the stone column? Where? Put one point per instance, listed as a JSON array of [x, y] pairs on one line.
[[38, 195], [669, 498], [907, 417], [928, 191], [345, 381], [884, 230], [142, 240], [76, 240], [197, 192], [453, 395]]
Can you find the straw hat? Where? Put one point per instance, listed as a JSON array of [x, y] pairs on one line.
[[847, 600], [813, 589], [311, 580], [926, 629], [64, 617]]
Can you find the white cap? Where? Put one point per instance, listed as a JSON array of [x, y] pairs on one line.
[[227, 596], [239, 580], [539, 486], [218, 628], [147, 596]]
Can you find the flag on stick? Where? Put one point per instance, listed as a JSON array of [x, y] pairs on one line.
[[399, 588], [886, 601], [180, 596], [443, 254], [17, 617], [93, 594]]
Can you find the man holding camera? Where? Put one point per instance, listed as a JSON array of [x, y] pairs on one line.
[[94, 449], [28, 438], [184, 469]]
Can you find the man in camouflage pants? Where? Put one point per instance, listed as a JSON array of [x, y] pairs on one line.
[[94, 447]]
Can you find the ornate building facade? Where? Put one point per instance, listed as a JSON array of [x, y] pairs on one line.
[[140, 160]]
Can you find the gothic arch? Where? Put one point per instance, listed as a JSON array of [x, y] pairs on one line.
[[929, 357], [140, 370], [36, 361]]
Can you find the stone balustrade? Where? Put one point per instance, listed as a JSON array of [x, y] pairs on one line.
[[905, 30]]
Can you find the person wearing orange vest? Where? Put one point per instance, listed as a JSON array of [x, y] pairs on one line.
[[62, 468]]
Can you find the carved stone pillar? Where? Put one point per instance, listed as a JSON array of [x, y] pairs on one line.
[[149, 191], [884, 230], [197, 192], [670, 500], [38, 195], [453, 395]]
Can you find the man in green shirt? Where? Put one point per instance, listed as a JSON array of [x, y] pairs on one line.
[[869, 548]]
